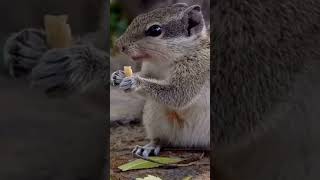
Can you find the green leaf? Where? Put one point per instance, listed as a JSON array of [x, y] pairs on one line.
[[144, 164], [149, 177]]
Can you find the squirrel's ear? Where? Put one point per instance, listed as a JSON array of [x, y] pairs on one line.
[[193, 19], [179, 5]]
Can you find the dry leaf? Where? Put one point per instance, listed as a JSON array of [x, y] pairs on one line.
[[187, 178], [144, 164], [149, 177]]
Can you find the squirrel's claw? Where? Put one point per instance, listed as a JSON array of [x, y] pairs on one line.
[[22, 51], [128, 84], [117, 77], [147, 150]]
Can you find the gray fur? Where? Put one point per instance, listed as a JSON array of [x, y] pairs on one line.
[[180, 5], [71, 68], [265, 97], [175, 16], [22, 51], [67, 69], [174, 28]]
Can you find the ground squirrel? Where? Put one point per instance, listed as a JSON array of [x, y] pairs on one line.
[[173, 44]]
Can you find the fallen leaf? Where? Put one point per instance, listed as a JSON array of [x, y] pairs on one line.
[[144, 164], [149, 177], [187, 178]]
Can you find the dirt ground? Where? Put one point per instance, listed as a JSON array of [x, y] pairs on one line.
[[126, 134]]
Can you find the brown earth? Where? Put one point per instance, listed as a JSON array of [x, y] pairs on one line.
[[123, 140]]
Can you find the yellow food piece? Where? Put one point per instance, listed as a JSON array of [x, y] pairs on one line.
[[58, 31], [127, 71]]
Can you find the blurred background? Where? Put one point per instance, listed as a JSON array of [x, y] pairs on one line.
[[51, 138]]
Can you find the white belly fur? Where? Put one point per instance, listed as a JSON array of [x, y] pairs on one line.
[[195, 131]]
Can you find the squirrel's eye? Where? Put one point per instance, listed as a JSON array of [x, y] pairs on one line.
[[154, 30]]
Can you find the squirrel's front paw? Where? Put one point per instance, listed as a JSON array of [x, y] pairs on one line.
[[66, 69], [128, 84], [23, 50], [117, 77]]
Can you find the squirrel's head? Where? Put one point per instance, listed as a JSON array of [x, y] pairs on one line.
[[164, 33]]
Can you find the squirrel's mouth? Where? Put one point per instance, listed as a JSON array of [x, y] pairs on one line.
[[140, 57]]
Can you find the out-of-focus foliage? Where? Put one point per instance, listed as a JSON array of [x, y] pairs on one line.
[[118, 21]]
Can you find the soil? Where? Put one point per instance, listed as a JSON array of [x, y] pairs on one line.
[[123, 140]]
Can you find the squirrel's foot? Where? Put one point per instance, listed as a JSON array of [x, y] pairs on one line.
[[151, 148]]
